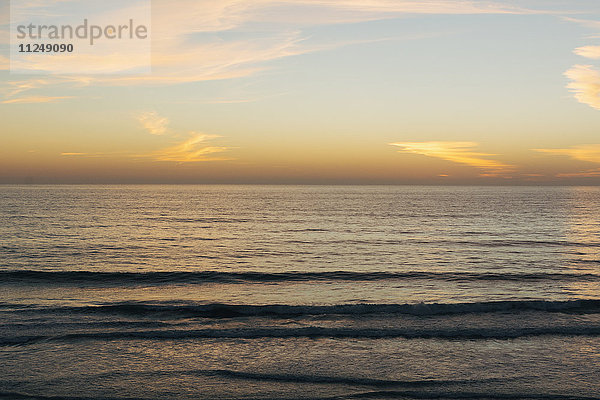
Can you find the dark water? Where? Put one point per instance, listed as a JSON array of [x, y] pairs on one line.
[[299, 292]]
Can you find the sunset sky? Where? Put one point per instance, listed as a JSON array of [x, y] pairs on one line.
[[321, 91]]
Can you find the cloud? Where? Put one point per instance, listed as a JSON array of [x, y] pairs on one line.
[[35, 99], [421, 6], [17, 87], [188, 46], [218, 16], [12, 89], [586, 23], [592, 52], [193, 149], [153, 123], [4, 63], [585, 84], [590, 173], [74, 64], [586, 152], [458, 152], [585, 79]]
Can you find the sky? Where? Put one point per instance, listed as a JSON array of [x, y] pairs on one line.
[[312, 92]]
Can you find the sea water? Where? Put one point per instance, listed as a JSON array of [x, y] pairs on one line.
[[299, 292]]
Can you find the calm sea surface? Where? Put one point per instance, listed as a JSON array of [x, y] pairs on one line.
[[299, 292]]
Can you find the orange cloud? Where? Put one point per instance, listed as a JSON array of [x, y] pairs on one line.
[[458, 152], [193, 149]]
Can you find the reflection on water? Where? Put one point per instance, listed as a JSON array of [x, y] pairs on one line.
[[583, 224]]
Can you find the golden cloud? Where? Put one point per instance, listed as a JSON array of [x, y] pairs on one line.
[[458, 152], [586, 152], [193, 149]]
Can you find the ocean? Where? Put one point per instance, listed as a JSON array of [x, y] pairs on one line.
[[299, 292]]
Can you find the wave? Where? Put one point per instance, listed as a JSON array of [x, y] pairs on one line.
[[192, 310], [381, 394], [457, 333], [24, 396], [341, 380], [506, 243], [427, 395], [199, 277], [291, 378]]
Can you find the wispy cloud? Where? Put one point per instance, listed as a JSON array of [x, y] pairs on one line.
[[223, 15], [590, 173], [585, 79], [181, 45], [586, 152], [193, 149], [4, 63], [422, 6], [585, 84], [153, 123], [587, 23], [35, 99], [196, 147], [16, 87], [14, 92], [458, 152], [187, 46], [592, 52]]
